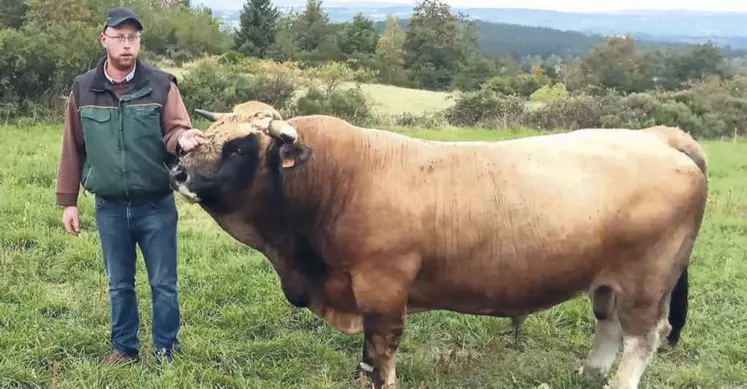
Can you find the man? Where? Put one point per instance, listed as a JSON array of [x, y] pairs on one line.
[[125, 121]]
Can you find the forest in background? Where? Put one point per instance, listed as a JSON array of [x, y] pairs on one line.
[[522, 77]]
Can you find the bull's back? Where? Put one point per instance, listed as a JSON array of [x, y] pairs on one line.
[[531, 222]]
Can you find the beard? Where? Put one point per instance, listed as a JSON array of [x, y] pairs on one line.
[[122, 62]]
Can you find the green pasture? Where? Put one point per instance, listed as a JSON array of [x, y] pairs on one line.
[[239, 332]]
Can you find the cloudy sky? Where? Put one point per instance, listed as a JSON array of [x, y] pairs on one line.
[[566, 5]]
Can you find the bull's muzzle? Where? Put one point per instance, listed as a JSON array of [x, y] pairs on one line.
[[177, 176], [178, 180]]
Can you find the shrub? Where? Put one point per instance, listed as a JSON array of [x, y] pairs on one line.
[[549, 93], [570, 113], [485, 107], [348, 104], [632, 111], [231, 57], [673, 113], [218, 88], [38, 65], [409, 119]]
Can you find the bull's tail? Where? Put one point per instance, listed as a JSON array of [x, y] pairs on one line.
[[678, 308], [682, 141]]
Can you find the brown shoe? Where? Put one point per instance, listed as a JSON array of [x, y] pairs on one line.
[[119, 358]]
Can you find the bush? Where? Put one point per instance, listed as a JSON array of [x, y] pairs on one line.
[[569, 113], [37, 67], [347, 104], [486, 106], [408, 119], [632, 111], [677, 114], [219, 88], [549, 93]]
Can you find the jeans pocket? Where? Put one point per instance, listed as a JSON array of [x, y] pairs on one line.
[[163, 202], [98, 202]]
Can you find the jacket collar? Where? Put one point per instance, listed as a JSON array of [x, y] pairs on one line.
[[127, 77], [101, 82]]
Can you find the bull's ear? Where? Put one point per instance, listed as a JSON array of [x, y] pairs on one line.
[[293, 155]]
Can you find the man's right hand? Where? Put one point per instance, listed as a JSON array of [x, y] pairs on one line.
[[70, 220]]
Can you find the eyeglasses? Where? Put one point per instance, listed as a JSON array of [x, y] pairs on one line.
[[121, 38]]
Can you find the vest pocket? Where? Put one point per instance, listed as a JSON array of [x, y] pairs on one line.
[[146, 121], [99, 115]]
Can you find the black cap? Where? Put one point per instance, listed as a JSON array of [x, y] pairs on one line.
[[119, 15]]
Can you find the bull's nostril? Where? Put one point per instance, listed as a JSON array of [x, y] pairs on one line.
[[178, 174], [181, 176]]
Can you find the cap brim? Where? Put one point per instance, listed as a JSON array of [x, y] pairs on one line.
[[117, 22]]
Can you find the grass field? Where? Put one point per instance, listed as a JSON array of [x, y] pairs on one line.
[[238, 330], [388, 99]]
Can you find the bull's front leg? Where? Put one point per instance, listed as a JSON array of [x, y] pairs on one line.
[[382, 335], [381, 292]]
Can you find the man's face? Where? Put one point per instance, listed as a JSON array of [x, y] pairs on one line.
[[122, 44]]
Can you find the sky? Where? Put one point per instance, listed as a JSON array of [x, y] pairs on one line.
[[565, 5]]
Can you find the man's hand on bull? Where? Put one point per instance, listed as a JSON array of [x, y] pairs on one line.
[[190, 139]]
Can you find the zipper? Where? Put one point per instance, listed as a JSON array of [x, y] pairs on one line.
[[122, 103], [123, 148], [85, 180]]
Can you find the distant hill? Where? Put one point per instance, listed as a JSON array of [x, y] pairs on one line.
[[521, 41], [527, 32]]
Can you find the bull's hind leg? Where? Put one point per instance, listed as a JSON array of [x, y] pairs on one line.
[[643, 325], [607, 335]]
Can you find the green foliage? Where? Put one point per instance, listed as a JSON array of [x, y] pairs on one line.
[[179, 33], [432, 45], [258, 28], [12, 13], [312, 26], [59, 39], [348, 104], [359, 36], [219, 88], [49, 42], [485, 106], [710, 108], [38, 64], [548, 93], [615, 64], [390, 52]]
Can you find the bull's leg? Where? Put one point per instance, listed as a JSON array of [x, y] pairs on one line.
[[607, 335], [381, 294], [643, 325], [606, 343], [382, 338], [516, 323]]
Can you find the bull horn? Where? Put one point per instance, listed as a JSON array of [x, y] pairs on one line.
[[212, 116], [283, 130]]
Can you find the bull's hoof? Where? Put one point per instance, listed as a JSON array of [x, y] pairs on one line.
[[365, 381], [365, 374], [595, 374]]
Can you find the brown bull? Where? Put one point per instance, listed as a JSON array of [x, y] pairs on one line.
[[364, 226]]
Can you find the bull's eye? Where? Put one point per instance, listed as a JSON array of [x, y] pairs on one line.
[[238, 151]]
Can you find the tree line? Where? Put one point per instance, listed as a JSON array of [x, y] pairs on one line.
[[44, 43]]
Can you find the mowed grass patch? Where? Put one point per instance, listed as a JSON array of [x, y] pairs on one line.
[[392, 100], [238, 330]]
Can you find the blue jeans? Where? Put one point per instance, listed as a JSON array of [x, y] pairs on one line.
[[152, 227]]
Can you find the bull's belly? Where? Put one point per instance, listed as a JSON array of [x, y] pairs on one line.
[[502, 289]]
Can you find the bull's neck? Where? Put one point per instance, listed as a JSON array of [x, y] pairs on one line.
[[318, 193]]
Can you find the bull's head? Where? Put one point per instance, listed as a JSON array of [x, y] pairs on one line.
[[245, 151]]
